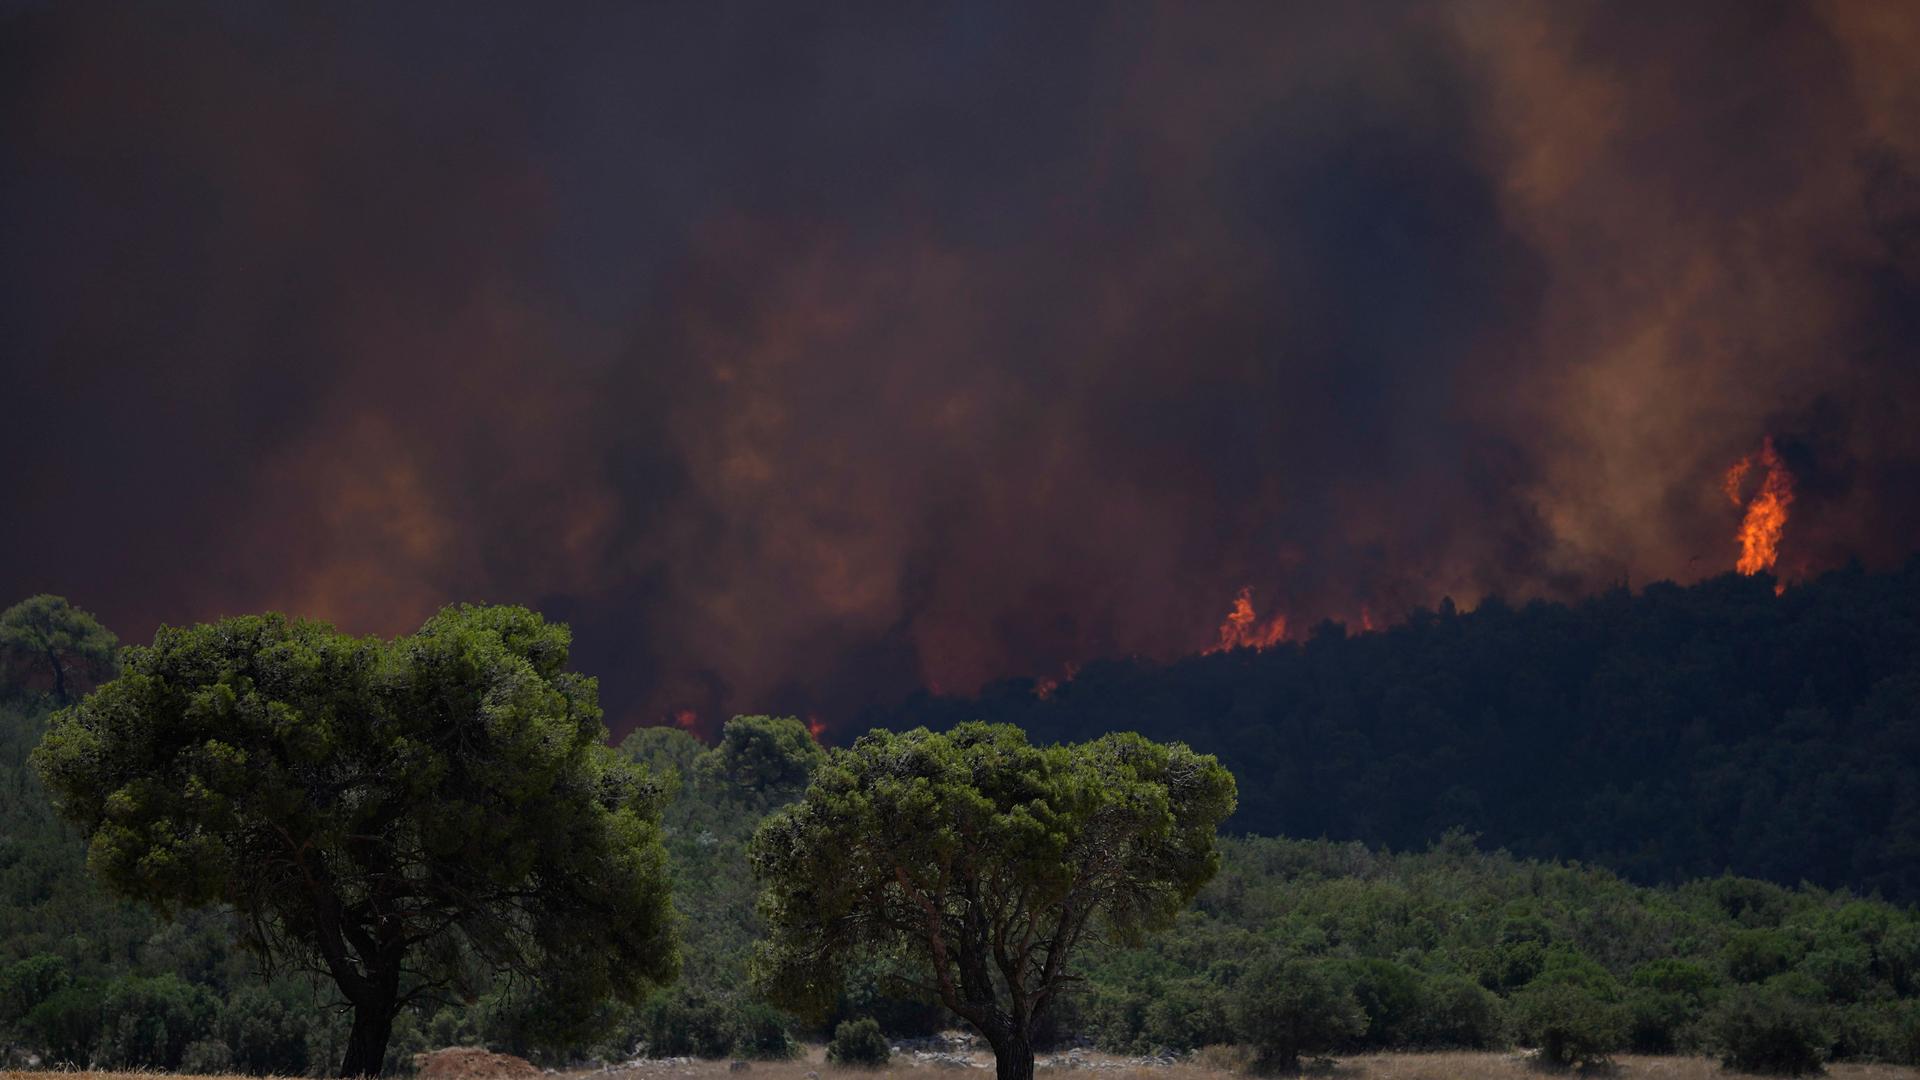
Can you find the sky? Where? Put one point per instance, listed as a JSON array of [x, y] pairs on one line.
[[803, 355]]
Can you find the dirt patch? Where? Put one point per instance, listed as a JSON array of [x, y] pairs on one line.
[[470, 1063]]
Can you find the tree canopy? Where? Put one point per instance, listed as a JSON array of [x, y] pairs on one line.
[[48, 633], [978, 861], [1669, 733], [400, 816]]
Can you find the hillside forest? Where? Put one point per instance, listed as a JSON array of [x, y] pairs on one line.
[[1682, 820]]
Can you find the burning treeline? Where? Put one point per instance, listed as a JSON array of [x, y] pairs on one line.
[[1761, 527], [1766, 516]]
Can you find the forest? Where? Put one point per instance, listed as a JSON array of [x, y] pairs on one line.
[[1669, 733], [1451, 945]]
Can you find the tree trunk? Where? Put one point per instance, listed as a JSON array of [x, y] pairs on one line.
[[59, 677], [1012, 1055], [367, 1045]]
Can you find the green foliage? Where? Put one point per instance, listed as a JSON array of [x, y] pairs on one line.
[[984, 857], [26, 983], [429, 805], [762, 1033], [1464, 923], [150, 1022], [1771, 1031], [1668, 734], [265, 1031], [68, 645], [681, 1022], [1458, 1012], [1570, 1020], [1394, 998], [66, 1025], [767, 756], [1284, 1007], [859, 1044], [208, 1057]]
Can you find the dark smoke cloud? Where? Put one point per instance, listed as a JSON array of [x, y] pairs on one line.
[[803, 357]]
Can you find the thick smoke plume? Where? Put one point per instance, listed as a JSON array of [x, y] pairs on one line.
[[801, 357]]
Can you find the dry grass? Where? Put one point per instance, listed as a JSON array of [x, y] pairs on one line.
[[1442, 1066]]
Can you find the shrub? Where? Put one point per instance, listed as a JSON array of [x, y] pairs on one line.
[[67, 1025], [858, 1043], [1393, 996], [265, 1033], [1569, 1021], [760, 1032], [1459, 1012], [1769, 1030], [207, 1057], [684, 1023], [1879, 1031], [26, 983], [1285, 1007], [1658, 1021], [150, 1022], [1185, 1014], [1752, 956]]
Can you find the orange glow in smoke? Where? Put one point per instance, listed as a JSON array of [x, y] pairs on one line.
[[1242, 628], [1766, 516], [687, 720], [816, 727]]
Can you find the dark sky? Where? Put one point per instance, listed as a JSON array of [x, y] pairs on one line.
[[800, 354]]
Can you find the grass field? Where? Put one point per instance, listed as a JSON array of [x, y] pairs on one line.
[[1438, 1066]]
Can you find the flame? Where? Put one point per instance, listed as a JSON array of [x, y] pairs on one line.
[[1766, 515], [687, 720], [1242, 630], [1044, 687], [816, 727], [1366, 619]]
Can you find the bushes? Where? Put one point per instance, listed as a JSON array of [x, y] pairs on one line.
[[1459, 1013], [149, 1023], [1571, 1022], [66, 1025], [685, 1023], [1284, 1007], [760, 1032], [858, 1043], [265, 1032], [1393, 996], [1770, 1030]]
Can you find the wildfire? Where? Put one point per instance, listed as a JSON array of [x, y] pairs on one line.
[[816, 727], [1766, 515], [1044, 687], [687, 720], [1243, 630]]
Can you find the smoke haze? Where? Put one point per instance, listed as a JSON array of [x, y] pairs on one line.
[[800, 357]]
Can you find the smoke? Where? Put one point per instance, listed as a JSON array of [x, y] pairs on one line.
[[803, 358]]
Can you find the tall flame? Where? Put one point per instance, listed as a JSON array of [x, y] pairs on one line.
[[1242, 629], [1766, 516]]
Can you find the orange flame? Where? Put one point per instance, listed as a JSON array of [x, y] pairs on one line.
[[1766, 516], [687, 720], [1044, 687], [816, 727], [1242, 630]]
